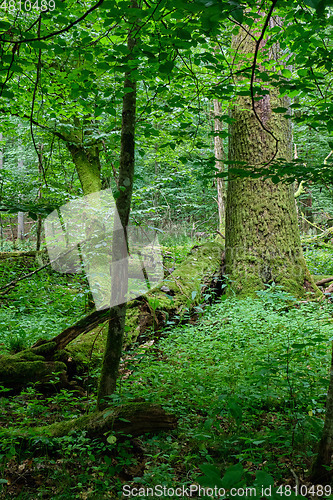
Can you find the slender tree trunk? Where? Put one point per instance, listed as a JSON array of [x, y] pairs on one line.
[[262, 237], [20, 215], [1, 166], [321, 472], [306, 210], [39, 196], [20, 226], [114, 343], [219, 159]]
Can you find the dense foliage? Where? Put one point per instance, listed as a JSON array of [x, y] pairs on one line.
[[247, 379]]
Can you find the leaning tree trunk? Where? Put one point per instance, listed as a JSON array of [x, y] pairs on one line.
[[85, 157], [262, 238], [87, 164]]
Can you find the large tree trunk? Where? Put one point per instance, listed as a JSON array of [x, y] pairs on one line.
[[87, 164], [219, 162], [262, 237]]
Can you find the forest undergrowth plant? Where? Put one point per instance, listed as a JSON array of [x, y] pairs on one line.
[[319, 259], [251, 373], [248, 382]]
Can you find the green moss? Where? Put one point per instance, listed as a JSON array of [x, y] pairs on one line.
[[17, 371], [45, 349]]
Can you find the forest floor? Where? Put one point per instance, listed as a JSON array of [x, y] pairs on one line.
[[247, 382]]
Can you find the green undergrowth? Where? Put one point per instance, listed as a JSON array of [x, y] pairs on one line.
[[39, 306], [248, 384], [44, 304], [319, 259]]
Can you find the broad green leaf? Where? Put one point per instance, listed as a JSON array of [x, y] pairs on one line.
[[233, 476], [238, 15], [286, 73], [263, 479], [166, 67], [280, 110]]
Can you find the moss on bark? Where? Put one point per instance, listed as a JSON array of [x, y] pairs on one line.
[[132, 418], [262, 236], [16, 371]]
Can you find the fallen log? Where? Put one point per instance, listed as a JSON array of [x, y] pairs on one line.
[[44, 366], [134, 418], [177, 295]]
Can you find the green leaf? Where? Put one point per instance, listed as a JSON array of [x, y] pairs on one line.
[[280, 110], [166, 67], [302, 72], [111, 439], [286, 73], [211, 476], [311, 3], [238, 15], [233, 476], [4, 25], [236, 411], [210, 470], [263, 479]]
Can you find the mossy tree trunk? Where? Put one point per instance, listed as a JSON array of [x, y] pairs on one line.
[[119, 285], [134, 418], [262, 236], [85, 157]]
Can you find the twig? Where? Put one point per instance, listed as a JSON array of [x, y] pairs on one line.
[[324, 281], [58, 32], [296, 478]]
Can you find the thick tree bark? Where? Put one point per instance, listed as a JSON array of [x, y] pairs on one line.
[[262, 237], [87, 164]]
